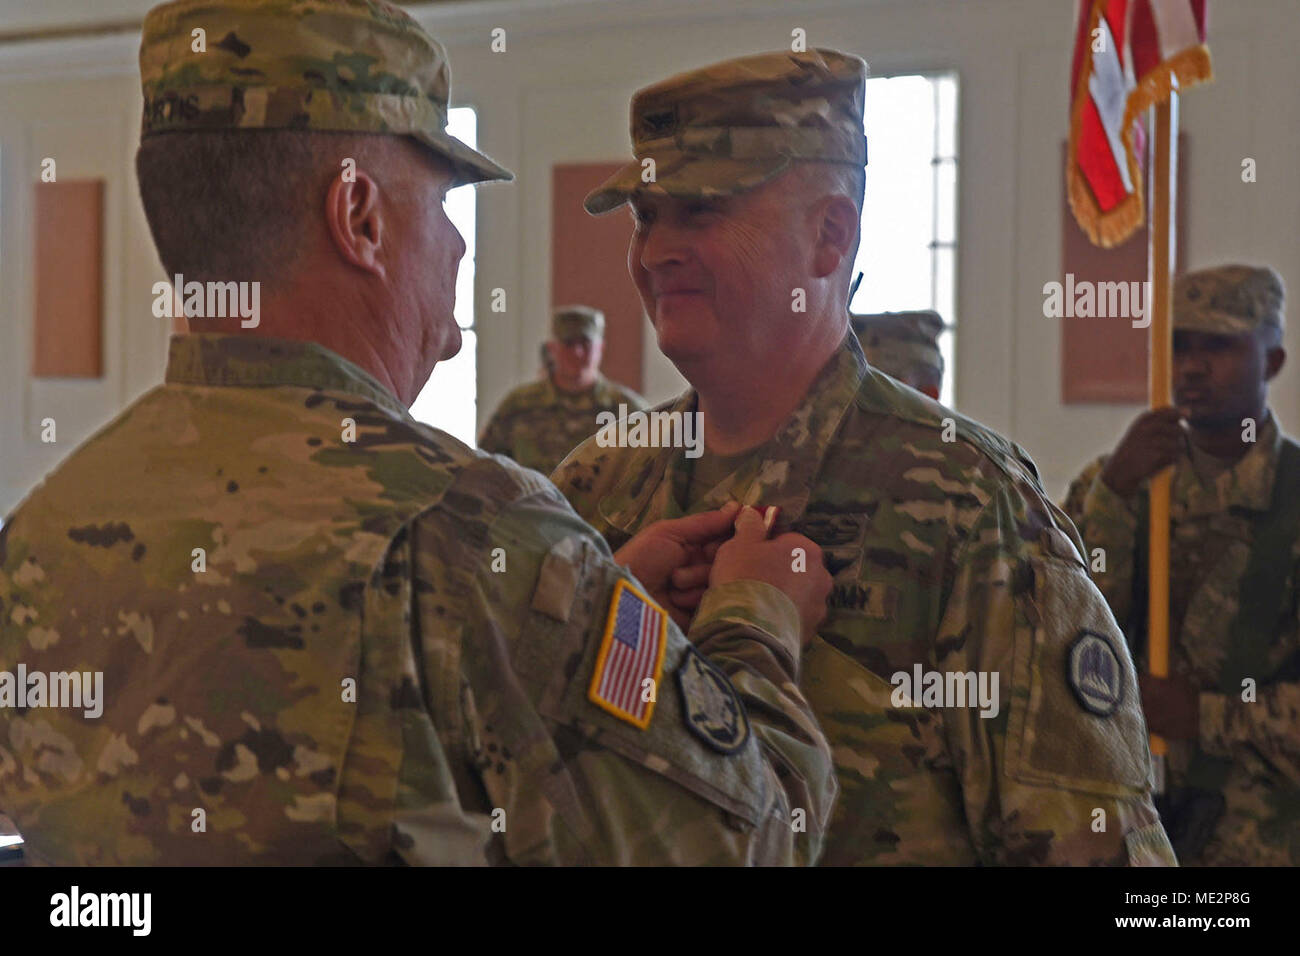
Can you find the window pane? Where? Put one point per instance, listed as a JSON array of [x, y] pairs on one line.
[[447, 402], [898, 211], [909, 217], [463, 124], [450, 398], [948, 389], [946, 207], [945, 303], [947, 88], [945, 292]]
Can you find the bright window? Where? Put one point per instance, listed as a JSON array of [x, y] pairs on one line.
[[449, 399], [908, 251]]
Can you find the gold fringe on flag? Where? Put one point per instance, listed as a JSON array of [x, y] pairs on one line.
[[1109, 229]]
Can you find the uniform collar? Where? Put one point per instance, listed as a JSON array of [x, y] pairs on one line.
[[556, 395], [248, 361], [781, 472], [1246, 485]]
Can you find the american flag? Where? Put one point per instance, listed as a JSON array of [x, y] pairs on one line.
[[1126, 55], [632, 652]]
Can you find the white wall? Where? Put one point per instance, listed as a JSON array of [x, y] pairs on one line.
[[560, 93], [74, 102], [1249, 111]]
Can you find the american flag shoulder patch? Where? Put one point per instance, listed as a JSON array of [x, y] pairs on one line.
[[631, 653]]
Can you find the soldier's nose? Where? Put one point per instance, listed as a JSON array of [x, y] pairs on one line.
[[662, 247]]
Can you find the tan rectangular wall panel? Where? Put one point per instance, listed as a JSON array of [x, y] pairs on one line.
[[68, 340], [589, 266], [1104, 360]]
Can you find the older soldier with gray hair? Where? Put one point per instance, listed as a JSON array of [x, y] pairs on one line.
[[327, 632], [955, 578], [1229, 705], [539, 423]]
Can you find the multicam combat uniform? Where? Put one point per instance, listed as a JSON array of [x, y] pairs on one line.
[[948, 555], [945, 553], [320, 646], [366, 650], [538, 424], [1247, 756], [1211, 537]]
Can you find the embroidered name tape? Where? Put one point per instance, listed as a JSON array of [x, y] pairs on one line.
[[632, 653]]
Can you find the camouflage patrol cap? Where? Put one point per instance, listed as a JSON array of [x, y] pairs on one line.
[[900, 343], [735, 125], [1229, 300], [571, 321], [360, 66]]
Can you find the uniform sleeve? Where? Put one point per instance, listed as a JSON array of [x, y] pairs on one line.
[[1109, 523], [583, 477], [1270, 724], [1060, 774], [721, 772], [749, 630]]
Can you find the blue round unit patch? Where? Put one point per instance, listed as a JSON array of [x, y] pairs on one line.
[[712, 709], [1095, 673]]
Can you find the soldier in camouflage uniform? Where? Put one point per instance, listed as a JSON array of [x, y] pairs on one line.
[[539, 423], [905, 346], [330, 633], [1233, 767], [947, 556]]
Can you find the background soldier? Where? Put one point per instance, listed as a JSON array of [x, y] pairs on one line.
[[1234, 790], [327, 632], [946, 555], [539, 423], [905, 346]]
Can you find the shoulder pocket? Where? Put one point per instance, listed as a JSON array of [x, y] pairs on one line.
[[1076, 719], [735, 781]]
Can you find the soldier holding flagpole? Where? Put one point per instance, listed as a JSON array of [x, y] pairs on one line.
[[1214, 616]]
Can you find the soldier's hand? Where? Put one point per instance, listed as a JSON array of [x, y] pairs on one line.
[[662, 548], [690, 581], [1152, 442], [1172, 707], [750, 556]]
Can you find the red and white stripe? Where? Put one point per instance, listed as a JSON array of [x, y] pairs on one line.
[[1140, 38], [626, 670]]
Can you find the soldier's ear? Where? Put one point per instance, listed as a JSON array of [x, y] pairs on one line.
[[1274, 359], [836, 221], [355, 221]]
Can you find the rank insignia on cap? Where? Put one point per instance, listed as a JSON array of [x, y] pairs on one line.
[[632, 652], [713, 711], [1095, 673]]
